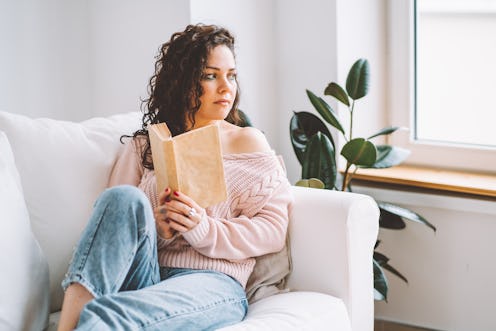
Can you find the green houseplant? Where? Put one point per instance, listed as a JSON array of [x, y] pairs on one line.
[[316, 151]]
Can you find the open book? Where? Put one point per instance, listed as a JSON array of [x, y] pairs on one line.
[[190, 163]]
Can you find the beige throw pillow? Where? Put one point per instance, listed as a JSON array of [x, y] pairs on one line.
[[269, 275]]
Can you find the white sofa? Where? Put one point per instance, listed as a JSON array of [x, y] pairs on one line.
[[50, 174]]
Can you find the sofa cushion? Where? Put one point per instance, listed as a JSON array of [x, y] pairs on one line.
[[63, 167], [24, 278], [293, 311], [298, 311]]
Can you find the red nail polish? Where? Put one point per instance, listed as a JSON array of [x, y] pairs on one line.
[[166, 189], [176, 194], [168, 199]]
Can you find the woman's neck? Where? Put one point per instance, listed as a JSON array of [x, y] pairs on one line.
[[199, 124]]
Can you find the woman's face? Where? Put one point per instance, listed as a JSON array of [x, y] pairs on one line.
[[219, 86]]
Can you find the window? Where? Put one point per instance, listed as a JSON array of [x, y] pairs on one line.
[[443, 81]]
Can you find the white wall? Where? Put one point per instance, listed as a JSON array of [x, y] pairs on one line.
[[76, 59], [361, 31], [125, 36], [44, 58], [306, 40], [451, 272]]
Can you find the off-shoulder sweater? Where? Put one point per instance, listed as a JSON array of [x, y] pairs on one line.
[[252, 221]]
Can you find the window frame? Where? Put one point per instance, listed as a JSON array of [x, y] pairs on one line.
[[402, 98]]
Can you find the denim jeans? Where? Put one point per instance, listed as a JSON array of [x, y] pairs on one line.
[[116, 261]]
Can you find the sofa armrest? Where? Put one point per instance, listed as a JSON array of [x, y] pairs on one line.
[[332, 237]]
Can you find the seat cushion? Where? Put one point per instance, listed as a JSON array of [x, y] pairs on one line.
[[297, 311], [53, 321], [24, 276]]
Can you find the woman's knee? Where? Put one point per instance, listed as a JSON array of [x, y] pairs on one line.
[[124, 198], [127, 194], [126, 203]]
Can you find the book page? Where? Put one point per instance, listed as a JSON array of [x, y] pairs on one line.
[[190, 162], [199, 165]]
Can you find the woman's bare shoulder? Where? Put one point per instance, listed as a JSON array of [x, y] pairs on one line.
[[244, 140]]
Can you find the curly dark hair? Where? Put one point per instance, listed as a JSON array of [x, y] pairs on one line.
[[174, 89]]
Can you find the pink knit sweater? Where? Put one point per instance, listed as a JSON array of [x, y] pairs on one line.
[[252, 221]]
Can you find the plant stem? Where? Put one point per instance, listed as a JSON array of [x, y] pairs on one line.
[[345, 176], [348, 164], [352, 107]]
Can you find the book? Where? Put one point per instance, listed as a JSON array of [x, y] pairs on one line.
[[190, 163]]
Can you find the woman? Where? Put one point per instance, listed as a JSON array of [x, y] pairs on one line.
[[157, 260]]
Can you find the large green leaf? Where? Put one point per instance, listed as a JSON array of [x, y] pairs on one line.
[[380, 282], [384, 131], [338, 92], [388, 220], [405, 214], [325, 111], [357, 82], [319, 160], [389, 156], [311, 182], [383, 261], [302, 127], [360, 152]]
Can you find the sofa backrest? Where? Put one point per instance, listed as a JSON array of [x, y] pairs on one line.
[[63, 167], [24, 292]]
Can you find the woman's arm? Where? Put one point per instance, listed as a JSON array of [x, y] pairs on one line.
[[243, 237], [128, 168]]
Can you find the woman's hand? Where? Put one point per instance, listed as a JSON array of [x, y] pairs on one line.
[[161, 221], [178, 214]]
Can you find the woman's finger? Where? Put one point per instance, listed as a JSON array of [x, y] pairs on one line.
[[160, 213], [186, 200], [178, 227], [164, 196], [181, 207], [162, 223], [182, 220]]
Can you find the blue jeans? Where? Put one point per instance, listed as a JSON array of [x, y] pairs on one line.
[[116, 261]]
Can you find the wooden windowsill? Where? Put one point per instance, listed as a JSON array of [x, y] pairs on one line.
[[442, 180]]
